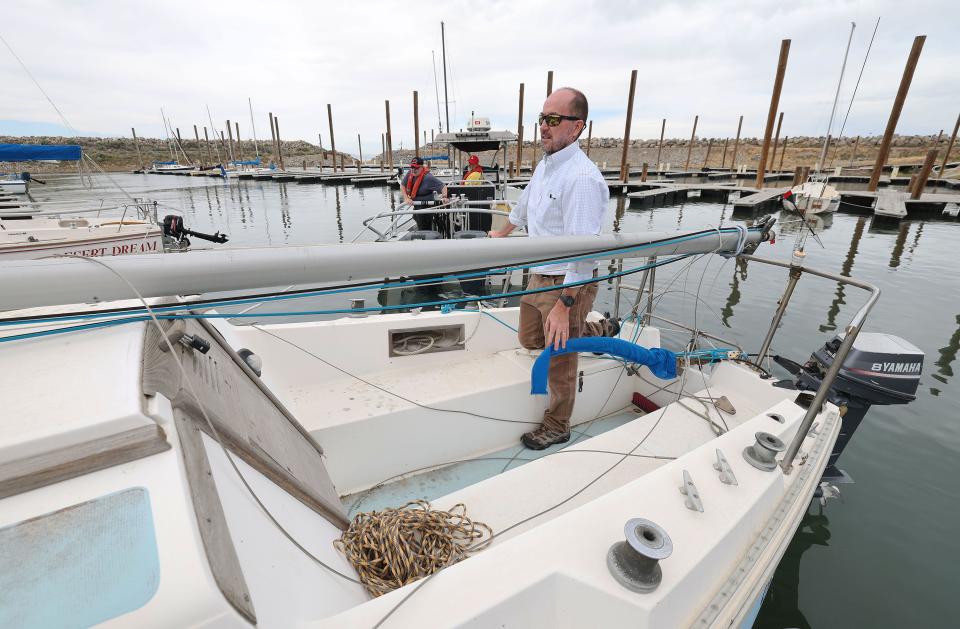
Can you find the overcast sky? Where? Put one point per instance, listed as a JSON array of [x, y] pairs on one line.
[[110, 66]]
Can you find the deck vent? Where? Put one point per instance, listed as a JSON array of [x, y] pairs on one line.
[[635, 562], [763, 454]]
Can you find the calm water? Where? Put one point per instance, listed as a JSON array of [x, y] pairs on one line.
[[887, 555]]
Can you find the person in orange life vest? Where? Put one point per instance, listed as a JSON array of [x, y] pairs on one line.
[[419, 185], [474, 172]]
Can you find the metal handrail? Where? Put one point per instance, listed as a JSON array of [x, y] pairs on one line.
[[467, 206], [850, 335]]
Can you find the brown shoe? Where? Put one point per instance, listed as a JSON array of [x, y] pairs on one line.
[[543, 438]]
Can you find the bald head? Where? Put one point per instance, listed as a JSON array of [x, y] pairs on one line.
[[568, 102], [578, 102]]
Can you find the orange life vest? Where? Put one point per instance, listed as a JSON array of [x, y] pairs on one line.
[[413, 182]]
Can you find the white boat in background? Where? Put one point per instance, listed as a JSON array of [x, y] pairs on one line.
[[202, 471], [38, 237], [816, 197], [19, 183], [169, 167], [39, 230], [12, 184]]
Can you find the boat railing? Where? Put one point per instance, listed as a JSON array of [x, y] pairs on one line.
[[406, 212], [646, 287]]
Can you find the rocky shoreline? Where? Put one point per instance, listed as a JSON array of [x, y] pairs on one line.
[[120, 154]]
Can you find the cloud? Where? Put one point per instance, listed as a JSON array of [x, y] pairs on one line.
[[112, 65]]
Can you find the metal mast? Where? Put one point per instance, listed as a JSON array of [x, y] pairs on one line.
[[254, 127]]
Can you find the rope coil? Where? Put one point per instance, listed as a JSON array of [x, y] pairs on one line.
[[394, 547]]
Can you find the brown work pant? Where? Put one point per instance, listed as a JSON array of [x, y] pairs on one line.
[[562, 381]]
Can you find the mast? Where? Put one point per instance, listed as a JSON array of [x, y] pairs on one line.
[[254, 127], [436, 89], [446, 99], [214, 129], [166, 130], [836, 97]]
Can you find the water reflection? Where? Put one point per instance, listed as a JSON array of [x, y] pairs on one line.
[[781, 607], [838, 299], [739, 275], [948, 354], [336, 192], [618, 214], [899, 245]]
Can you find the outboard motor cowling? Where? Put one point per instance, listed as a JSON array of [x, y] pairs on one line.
[[880, 369]]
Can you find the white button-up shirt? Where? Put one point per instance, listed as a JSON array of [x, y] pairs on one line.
[[566, 196]]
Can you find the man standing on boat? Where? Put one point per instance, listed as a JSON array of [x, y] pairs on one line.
[[567, 196], [419, 185]]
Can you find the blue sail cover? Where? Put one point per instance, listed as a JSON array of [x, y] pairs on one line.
[[251, 162], [38, 152], [662, 362]]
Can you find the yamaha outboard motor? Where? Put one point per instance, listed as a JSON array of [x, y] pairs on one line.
[[880, 369]]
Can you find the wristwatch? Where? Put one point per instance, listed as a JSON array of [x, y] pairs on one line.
[[567, 300]]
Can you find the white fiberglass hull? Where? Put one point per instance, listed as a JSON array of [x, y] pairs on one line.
[[32, 239], [216, 557], [13, 187], [816, 198]]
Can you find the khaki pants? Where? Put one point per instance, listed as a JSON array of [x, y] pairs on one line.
[[562, 382]]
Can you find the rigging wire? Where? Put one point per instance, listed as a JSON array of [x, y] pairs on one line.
[[857, 86], [63, 118]]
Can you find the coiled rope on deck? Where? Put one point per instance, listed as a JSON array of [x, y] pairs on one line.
[[394, 547]]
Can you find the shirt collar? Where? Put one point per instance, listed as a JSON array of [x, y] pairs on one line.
[[564, 154]]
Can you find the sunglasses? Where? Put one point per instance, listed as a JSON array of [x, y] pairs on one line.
[[554, 120]]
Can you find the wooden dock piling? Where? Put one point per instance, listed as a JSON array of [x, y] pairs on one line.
[[239, 145], [589, 136], [736, 145], [549, 82], [136, 143], [921, 182], [946, 155], [723, 160], [774, 106], [643, 173], [663, 128], [533, 162], [776, 140], [206, 145], [783, 152], [519, 130], [693, 135], [273, 138], [416, 123], [797, 174], [901, 97], [333, 142], [853, 156], [360, 150], [706, 158], [232, 152], [389, 137], [626, 132], [276, 129]]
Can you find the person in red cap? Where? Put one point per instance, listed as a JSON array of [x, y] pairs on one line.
[[474, 171], [418, 187]]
